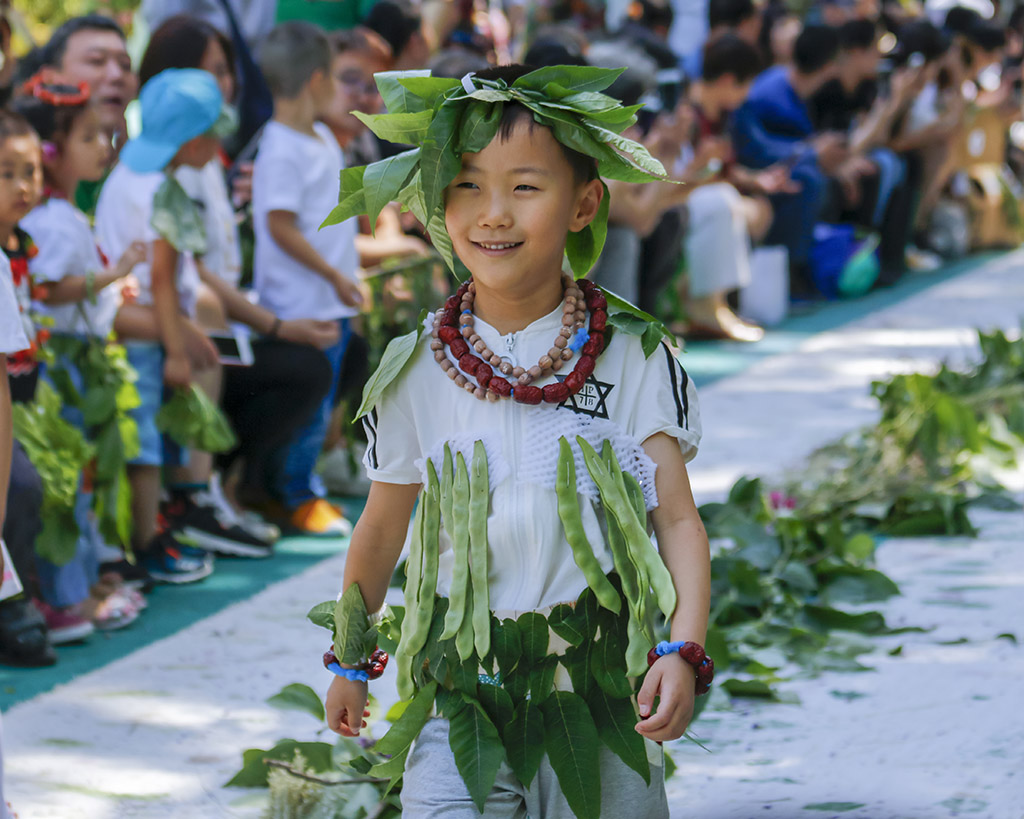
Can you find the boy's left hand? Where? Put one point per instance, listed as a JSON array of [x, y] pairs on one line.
[[673, 680]]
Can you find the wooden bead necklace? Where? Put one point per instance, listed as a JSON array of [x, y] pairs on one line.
[[453, 328]]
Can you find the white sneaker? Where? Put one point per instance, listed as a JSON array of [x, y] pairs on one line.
[[922, 260], [229, 516]]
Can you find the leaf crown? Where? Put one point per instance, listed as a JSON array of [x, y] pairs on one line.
[[446, 118]]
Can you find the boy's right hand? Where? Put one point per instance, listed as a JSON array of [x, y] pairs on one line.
[[177, 371], [200, 350], [348, 290], [346, 706]]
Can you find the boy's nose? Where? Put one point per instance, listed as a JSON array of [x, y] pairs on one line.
[[496, 213]]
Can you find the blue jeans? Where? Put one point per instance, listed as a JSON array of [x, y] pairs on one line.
[[297, 481], [796, 214]]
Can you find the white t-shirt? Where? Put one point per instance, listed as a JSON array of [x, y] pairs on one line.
[[13, 338], [208, 188], [67, 248], [626, 400], [299, 173], [123, 214]]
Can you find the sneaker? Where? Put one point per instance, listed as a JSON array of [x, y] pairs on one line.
[[167, 562], [922, 261], [319, 518], [340, 469], [229, 516], [132, 575], [195, 521], [115, 612], [24, 641], [65, 625]]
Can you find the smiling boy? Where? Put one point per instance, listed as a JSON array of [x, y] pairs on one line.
[[538, 560]]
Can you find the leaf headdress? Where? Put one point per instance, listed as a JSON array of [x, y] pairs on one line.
[[446, 118]]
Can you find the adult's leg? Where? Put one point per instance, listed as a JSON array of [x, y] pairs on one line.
[[796, 214], [617, 268]]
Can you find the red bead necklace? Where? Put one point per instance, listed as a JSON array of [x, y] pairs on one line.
[[492, 386]]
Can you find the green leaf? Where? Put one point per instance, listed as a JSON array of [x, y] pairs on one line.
[[608, 665], [299, 697], [859, 548], [322, 614], [506, 644], [391, 770], [350, 622], [479, 125], [318, 756], [749, 688], [858, 586], [497, 703], [439, 161], [397, 97], [383, 181], [616, 725], [524, 741], [869, 622], [399, 352], [571, 741], [351, 198], [572, 78], [564, 622], [618, 306], [428, 89], [408, 726], [583, 247], [542, 678], [99, 406], [403, 129], [635, 153], [533, 633], [477, 749]]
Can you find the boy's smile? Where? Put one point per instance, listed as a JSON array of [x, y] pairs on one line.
[[508, 213]]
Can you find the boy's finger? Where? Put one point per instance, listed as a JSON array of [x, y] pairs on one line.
[[645, 699], [658, 720]]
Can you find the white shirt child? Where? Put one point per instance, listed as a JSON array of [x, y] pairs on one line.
[[300, 173], [207, 187], [66, 247], [626, 400], [12, 331], [123, 216]]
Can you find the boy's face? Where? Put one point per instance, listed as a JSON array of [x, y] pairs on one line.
[[86, 150], [731, 91], [511, 207], [322, 88], [21, 177], [354, 90]]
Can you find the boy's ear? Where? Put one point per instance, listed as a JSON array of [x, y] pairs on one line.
[[588, 202]]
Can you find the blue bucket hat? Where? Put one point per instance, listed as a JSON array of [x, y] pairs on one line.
[[177, 105]]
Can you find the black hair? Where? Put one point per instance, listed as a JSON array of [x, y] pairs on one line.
[[729, 12], [52, 119], [730, 54], [960, 18], [859, 35], [53, 51], [180, 42], [584, 168], [13, 124], [987, 35], [919, 37], [651, 13], [815, 48], [396, 22]]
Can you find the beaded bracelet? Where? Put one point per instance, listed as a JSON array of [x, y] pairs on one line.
[[692, 653], [369, 670]]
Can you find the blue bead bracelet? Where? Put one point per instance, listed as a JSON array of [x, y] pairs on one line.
[[354, 674]]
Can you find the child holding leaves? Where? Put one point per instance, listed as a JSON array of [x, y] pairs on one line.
[[540, 445]]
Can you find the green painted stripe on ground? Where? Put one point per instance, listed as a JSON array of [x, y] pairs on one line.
[[172, 609]]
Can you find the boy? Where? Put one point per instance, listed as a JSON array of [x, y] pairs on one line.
[[181, 117], [516, 545], [300, 271]]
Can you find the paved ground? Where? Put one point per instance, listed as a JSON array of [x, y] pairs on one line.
[[933, 732]]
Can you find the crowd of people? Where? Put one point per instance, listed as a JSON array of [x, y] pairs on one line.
[[819, 157]]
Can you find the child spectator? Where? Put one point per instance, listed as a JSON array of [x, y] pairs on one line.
[[75, 288], [510, 208], [181, 117], [299, 270], [23, 636]]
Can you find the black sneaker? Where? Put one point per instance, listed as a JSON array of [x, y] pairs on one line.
[[133, 575], [166, 561], [202, 525]]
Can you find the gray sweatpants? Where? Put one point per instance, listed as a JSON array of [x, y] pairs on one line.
[[432, 786]]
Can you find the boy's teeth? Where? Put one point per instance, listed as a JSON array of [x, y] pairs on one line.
[[501, 246]]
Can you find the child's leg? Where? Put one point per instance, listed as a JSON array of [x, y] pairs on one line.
[[70, 584], [145, 484], [432, 786], [144, 470], [299, 483]]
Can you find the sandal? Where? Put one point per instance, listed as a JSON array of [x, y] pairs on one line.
[[24, 641]]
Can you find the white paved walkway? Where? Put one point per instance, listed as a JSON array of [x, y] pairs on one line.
[[934, 732]]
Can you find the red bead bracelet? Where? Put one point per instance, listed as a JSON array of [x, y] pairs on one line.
[[374, 667], [694, 654]]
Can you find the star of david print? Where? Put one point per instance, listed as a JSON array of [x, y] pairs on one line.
[[590, 400]]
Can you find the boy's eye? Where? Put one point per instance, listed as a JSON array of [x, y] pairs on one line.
[[525, 187], [466, 185]]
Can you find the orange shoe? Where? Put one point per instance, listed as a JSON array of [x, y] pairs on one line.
[[319, 518]]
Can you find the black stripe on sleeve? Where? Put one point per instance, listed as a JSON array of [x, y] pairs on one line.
[[370, 427], [680, 403]]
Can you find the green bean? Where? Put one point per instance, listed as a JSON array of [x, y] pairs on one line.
[[460, 549], [638, 645], [636, 496], [615, 499], [572, 522], [420, 617], [413, 570], [406, 685], [479, 500], [464, 637], [447, 485]]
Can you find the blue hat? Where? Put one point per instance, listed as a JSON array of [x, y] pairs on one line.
[[177, 105]]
